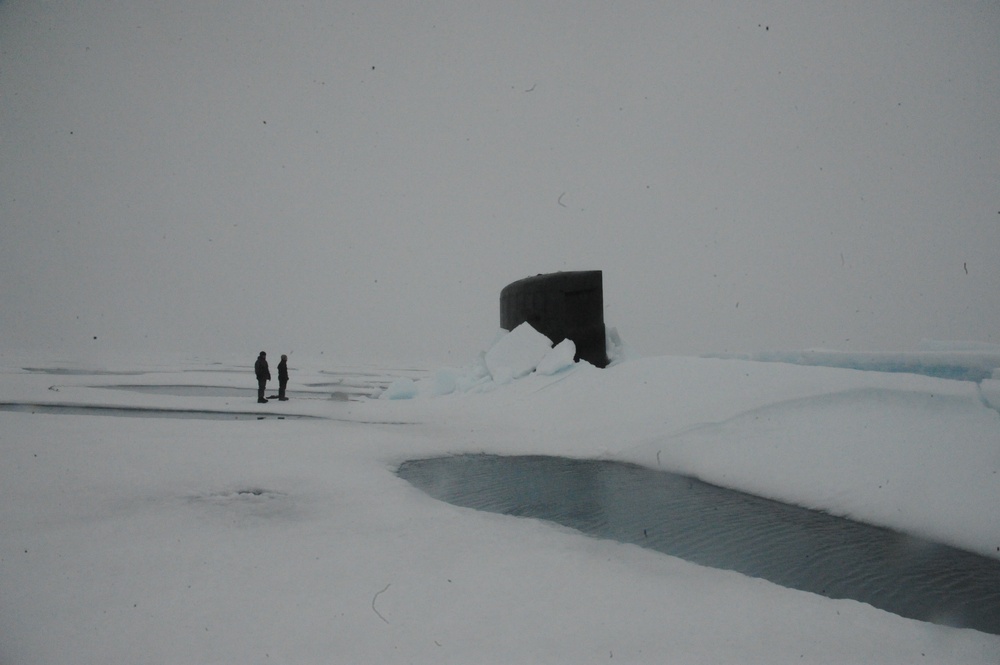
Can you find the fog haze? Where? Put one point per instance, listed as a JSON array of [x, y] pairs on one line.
[[361, 179]]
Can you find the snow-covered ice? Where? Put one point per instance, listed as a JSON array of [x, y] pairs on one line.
[[154, 540]]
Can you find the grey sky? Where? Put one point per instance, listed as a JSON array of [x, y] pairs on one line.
[[363, 178]]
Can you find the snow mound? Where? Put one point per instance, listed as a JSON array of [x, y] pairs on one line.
[[512, 356], [400, 389], [517, 353]]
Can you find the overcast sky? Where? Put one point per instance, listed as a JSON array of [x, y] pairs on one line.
[[362, 179]]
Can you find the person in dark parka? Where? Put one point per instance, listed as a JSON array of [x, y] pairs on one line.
[[263, 376], [282, 378]]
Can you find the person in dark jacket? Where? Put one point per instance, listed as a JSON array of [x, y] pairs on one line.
[[282, 378], [263, 376]]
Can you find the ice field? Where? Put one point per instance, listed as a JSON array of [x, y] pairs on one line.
[[281, 533]]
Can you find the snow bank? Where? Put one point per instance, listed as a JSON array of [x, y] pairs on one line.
[[963, 361]]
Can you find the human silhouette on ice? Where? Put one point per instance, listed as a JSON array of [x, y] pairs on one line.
[[282, 378], [263, 376]]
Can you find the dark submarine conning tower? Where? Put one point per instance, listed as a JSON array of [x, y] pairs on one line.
[[560, 305]]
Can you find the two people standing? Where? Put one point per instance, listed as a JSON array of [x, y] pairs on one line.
[[263, 373]]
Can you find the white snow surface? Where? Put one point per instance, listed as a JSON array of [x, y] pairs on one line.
[[182, 540], [557, 359]]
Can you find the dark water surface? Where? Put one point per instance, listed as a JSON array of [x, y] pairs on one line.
[[713, 526]]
